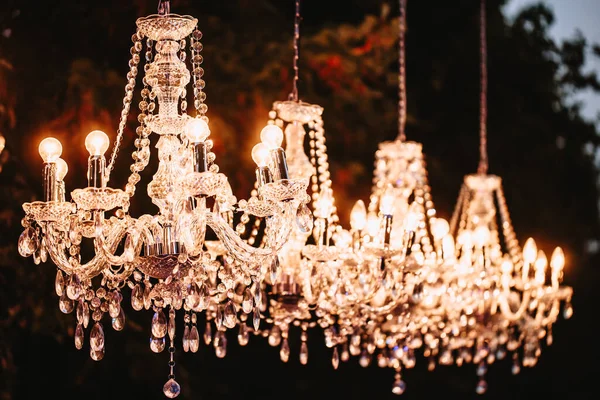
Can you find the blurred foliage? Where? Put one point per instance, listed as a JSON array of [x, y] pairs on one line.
[[62, 69]]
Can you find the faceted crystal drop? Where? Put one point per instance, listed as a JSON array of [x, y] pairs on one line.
[[568, 311], [275, 336], [220, 344], [65, 304], [171, 328], [284, 352], [79, 311], [177, 300], [171, 389], [113, 308], [399, 386], [59, 283], [219, 317], [256, 319], [243, 335], [193, 299], [481, 387], [303, 353], [97, 337], [345, 356], [247, 301], [186, 338], [146, 297], [516, 368], [73, 287], [159, 324], [118, 322], [203, 296], [27, 243], [335, 358], [481, 369], [157, 344], [304, 219], [137, 298], [79, 337], [97, 355], [207, 334], [364, 359], [274, 270], [229, 317], [86, 315], [194, 339]]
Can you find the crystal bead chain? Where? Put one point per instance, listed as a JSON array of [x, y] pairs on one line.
[[182, 57], [509, 234], [197, 74], [141, 155], [456, 212], [131, 75]]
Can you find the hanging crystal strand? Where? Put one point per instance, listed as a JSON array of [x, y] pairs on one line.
[[197, 73], [303, 346], [399, 386], [516, 367], [186, 332], [220, 344], [171, 389], [401, 73], [194, 338], [511, 238], [131, 75], [182, 57], [483, 157], [158, 330], [147, 105], [335, 357], [284, 351]]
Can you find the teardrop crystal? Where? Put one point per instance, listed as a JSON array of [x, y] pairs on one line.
[[27, 243], [365, 359], [97, 337], [113, 307], [243, 335], [97, 355], [171, 328], [186, 338], [157, 345], [303, 353], [229, 317], [79, 337], [118, 322], [59, 283], [568, 311], [137, 298], [335, 358], [247, 302], [284, 351], [399, 386], [171, 389], [304, 219], [207, 333], [159, 324], [194, 339], [275, 336], [219, 317], [220, 344], [73, 287], [481, 387], [147, 298], [65, 304], [256, 319], [274, 270], [203, 298], [193, 299]]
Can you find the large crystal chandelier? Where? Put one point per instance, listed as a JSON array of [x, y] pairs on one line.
[[498, 298], [166, 258]]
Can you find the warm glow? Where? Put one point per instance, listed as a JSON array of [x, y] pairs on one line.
[[529, 251], [507, 266], [448, 246], [557, 261], [96, 143], [412, 220], [439, 228], [61, 169], [260, 155], [50, 149], [197, 130], [372, 224], [386, 203], [481, 236], [2, 143], [272, 136], [324, 205], [358, 216], [540, 265]]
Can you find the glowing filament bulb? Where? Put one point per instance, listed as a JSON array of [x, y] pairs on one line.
[[529, 251], [557, 261], [324, 205], [541, 263], [358, 216], [439, 228], [481, 236], [272, 136], [61, 169], [96, 143], [386, 204], [50, 149], [197, 130], [372, 224], [260, 155], [448, 246]]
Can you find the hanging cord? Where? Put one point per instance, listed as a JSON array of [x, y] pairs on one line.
[[294, 95], [164, 7], [401, 73], [483, 157]]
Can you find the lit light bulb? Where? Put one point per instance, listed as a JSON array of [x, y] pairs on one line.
[[61, 169], [557, 261], [2, 143], [372, 224], [386, 204], [96, 143], [197, 130], [412, 219], [358, 216], [440, 228], [272, 136], [324, 205], [529, 251], [541, 262], [481, 236], [260, 154], [448, 246], [50, 149]]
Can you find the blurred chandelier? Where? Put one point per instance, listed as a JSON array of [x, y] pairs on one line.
[[165, 258]]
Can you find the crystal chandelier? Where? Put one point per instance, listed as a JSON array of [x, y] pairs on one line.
[[165, 258], [498, 299]]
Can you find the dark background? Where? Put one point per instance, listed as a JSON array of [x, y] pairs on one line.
[[62, 70]]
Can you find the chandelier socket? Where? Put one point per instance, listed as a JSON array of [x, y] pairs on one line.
[[50, 183]]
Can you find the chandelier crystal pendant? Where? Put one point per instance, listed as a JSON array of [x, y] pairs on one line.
[[499, 299], [165, 258]]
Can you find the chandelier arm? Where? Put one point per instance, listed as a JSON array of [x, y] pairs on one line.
[[401, 72], [505, 307], [483, 156]]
